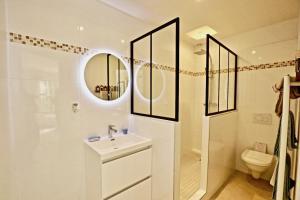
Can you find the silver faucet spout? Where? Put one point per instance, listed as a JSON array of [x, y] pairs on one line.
[[110, 130]]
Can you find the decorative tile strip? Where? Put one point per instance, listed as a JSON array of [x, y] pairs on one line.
[[288, 63], [33, 41]]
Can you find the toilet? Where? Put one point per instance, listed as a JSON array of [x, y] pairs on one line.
[[257, 162]]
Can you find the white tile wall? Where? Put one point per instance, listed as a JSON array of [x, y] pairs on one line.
[[47, 136], [5, 144], [221, 150], [255, 95], [5, 137], [162, 134], [191, 89], [48, 152]]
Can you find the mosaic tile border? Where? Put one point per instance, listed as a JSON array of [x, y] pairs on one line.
[[161, 67], [288, 63], [267, 66], [58, 46], [33, 41]]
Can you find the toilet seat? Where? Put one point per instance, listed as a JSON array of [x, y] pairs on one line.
[[257, 158]]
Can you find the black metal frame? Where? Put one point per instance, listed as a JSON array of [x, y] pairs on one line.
[[208, 38], [175, 21], [119, 77], [108, 76], [107, 71]]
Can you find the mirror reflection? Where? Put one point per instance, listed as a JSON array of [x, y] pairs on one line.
[[143, 82], [106, 76]]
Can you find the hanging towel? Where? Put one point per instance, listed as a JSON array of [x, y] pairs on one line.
[[294, 94], [292, 143]]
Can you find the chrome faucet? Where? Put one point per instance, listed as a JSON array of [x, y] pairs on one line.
[[110, 130]]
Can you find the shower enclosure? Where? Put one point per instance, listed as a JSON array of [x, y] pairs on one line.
[[221, 78]]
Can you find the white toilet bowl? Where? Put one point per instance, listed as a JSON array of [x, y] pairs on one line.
[[257, 162]]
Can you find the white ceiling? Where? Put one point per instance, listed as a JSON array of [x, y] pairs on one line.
[[273, 43], [227, 17]]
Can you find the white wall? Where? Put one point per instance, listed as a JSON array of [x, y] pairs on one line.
[[222, 132], [5, 137], [47, 135], [163, 136], [48, 151], [257, 97], [273, 43], [190, 132]]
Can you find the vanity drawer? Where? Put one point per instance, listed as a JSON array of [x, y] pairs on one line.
[[141, 191], [124, 172]]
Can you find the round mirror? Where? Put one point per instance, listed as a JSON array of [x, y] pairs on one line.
[[142, 82], [106, 76]]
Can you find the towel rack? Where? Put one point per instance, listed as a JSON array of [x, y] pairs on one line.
[[283, 138], [295, 83], [283, 142]]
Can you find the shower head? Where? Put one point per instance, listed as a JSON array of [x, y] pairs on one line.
[[200, 52], [200, 49]]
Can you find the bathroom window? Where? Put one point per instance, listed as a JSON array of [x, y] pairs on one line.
[[155, 73], [221, 78]]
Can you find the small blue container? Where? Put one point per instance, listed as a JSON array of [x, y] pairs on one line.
[[125, 131]]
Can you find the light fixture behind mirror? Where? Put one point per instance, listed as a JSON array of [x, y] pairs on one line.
[[106, 76]]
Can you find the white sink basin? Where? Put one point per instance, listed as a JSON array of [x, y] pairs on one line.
[[119, 146]]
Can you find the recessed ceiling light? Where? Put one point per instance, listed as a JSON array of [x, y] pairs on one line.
[[253, 52], [80, 28], [259, 58], [122, 41], [200, 33]]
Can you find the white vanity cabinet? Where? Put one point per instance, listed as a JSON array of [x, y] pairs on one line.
[[120, 174]]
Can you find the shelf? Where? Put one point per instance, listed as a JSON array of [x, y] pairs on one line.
[[295, 84]]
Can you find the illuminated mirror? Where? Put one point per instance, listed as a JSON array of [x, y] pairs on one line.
[[106, 76]]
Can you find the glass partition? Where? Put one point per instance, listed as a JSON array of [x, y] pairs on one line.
[[155, 73], [221, 78]]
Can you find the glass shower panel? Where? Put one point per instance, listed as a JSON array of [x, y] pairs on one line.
[[231, 91], [141, 73], [163, 72], [213, 76], [223, 85]]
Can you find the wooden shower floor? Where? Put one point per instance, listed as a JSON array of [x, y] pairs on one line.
[[243, 186], [189, 175]]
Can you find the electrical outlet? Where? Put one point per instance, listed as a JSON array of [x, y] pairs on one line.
[[262, 118]]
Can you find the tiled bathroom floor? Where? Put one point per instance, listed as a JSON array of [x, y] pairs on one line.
[[244, 187], [189, 175]]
